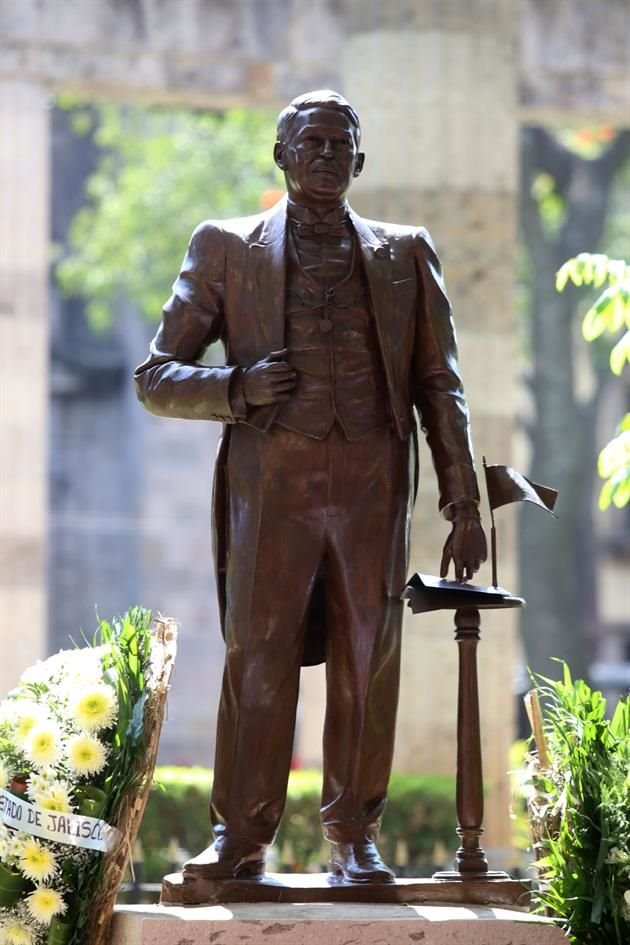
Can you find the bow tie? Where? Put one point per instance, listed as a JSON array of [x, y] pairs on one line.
[[321, 230]]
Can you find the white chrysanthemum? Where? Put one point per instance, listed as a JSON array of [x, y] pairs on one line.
[[41, 780], [5, 776], [625, 906], [36, 674], [43, 745], [67, 668], [83, 663], [37, 862], [44, 904], [55, 797], [95, 708], [16, 843], [5, 841], [615, 855], [87, 754]]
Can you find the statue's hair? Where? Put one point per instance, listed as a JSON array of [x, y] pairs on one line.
[[321, 98]]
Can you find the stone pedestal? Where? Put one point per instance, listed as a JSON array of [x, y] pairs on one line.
[[312, 924]]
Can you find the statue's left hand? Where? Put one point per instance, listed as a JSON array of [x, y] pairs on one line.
[[466, 547]]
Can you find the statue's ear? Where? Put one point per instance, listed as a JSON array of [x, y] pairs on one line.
[[278, 155], [358, 167]]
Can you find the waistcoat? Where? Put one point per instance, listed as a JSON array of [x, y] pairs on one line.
[[332, 340]]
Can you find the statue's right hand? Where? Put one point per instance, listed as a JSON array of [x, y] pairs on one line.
[[269, 381]]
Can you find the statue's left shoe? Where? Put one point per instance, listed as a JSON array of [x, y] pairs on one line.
[[358, 863]]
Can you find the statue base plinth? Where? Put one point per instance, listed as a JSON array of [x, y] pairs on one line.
[[335, 924], [493, 889]]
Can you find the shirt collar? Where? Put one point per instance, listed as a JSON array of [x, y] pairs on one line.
[[306, 215]]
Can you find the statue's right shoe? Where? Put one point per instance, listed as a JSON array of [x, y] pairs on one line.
[[358, 863], [228, 858]]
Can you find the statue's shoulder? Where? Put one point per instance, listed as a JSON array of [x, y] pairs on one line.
[[417, 235], [212, 232]]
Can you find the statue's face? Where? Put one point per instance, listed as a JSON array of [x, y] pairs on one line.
[[320, 157]]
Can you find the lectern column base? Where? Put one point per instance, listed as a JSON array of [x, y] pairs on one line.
[[454, 876]]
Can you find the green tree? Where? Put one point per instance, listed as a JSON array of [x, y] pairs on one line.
[[608, 315], [160, 173], [565, 197]]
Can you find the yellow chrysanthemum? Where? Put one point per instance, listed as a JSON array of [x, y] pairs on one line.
[[27, 717], [95, 708], [17, 933], [43, 745], [86, 754], [44, 904], [37, 862]]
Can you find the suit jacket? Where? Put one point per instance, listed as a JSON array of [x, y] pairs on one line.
[[232, 288]]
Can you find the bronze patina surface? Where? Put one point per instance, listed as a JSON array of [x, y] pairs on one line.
[[335, 328]]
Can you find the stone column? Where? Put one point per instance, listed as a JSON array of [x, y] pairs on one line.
[[24, 255], [434, 84]]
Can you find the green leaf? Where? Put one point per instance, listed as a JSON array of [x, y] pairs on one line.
[[621, 495], [605, 496], [600, 269], [562, 277], [136, 725], [576, 270], [620, 354], [599, 317]]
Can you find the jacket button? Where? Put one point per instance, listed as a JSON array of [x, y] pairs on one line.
[[381, 252]]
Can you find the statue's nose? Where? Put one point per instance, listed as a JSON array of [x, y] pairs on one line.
[[328, 151]]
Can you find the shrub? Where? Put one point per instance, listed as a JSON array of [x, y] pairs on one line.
[[580, 811]]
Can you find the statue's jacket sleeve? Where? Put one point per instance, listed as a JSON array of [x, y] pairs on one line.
[[436, 387], [172, 382]]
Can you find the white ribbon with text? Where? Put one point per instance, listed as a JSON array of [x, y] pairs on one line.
[[73, 829]]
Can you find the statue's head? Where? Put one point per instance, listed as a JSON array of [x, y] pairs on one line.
[[317, 147]]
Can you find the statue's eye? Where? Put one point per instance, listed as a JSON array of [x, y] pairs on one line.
[[342, 144], [311, 141]]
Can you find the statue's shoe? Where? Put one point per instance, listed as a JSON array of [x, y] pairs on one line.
[[358, 863], [228, 858]]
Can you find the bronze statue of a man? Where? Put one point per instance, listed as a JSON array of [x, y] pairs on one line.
[[334, 328]]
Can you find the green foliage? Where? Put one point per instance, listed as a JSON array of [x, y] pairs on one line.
[[552, 205], [613, 465], [608, 315], [581, 813], [128, 638], [161, 173], [420, 813], [519, 780]]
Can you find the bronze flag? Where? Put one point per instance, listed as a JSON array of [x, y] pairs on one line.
[[506, 485]]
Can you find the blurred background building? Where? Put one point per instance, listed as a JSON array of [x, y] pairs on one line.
[[501, 125]]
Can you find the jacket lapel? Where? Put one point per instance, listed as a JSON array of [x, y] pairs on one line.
[[269, 261], [378, 269]]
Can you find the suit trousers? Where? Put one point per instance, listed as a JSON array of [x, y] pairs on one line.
[[303, 511]]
